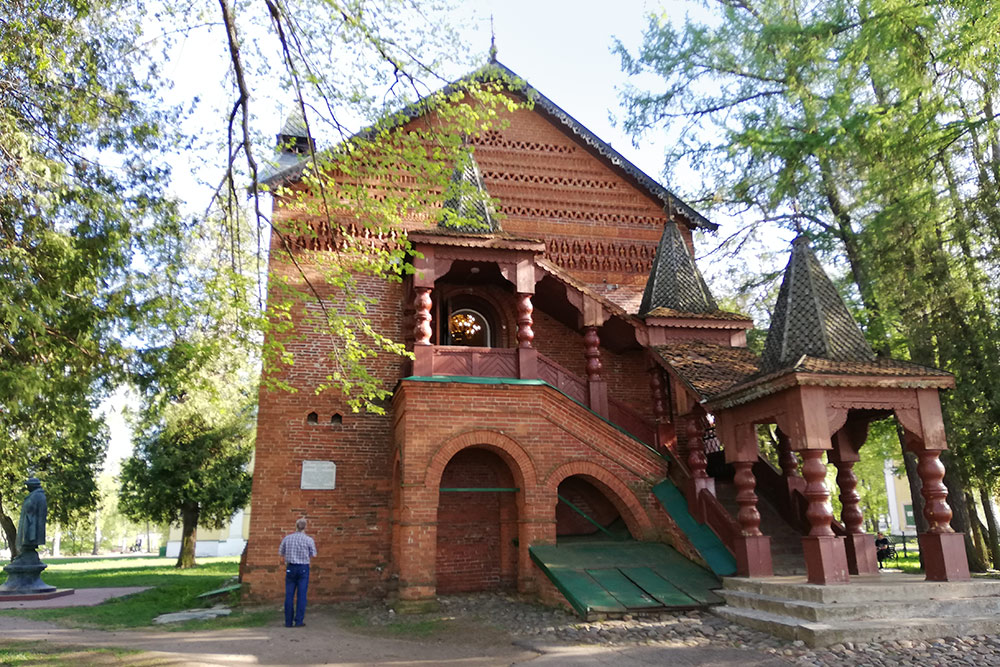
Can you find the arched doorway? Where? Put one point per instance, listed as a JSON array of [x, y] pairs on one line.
[[584, 511], [477, 524]]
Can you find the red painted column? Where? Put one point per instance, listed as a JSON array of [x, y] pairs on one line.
[[666, 437], [942, 548], [826, 558], [860, 546], [789, 464], [697, 464], [423, 355], [596, 387], [527, 356], [753, 548]]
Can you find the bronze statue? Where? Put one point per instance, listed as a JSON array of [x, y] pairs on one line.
[[23, 573], [31, 527]]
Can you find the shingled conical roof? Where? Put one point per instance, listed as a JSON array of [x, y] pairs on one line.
[[470, 202], [810, 318], [674, 280]]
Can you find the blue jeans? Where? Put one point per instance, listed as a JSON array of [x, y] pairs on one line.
[[296, 580]]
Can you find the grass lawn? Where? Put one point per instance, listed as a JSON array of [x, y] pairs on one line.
[[172, 590], [16, 654]]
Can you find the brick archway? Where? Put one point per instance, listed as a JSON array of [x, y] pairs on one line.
[[618, 493], [521, 465], [418, 525]]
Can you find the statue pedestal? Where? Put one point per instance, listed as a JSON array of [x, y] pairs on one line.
[[24, 576]]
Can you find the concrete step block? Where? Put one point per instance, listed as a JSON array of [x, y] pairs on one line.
[[863, 590], [817, 634], [872, 610]]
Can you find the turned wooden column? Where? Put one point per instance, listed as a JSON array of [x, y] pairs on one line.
[[748, 516], [597, 388], [423, 355], [525, 335], [789, 464], [697, 464], [751, 547], [942, 549], [825, 553], [592, 351], [666, 436], [527, 356], [936, 509], [850, 500], [820, 512], [696, 460], [860, 546]]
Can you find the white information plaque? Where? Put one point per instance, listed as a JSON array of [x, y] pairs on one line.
[[319, 475]]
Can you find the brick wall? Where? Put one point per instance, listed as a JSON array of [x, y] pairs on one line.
[[543, 439], [382, 520]]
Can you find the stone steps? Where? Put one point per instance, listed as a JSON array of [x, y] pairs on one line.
[[869, 609]]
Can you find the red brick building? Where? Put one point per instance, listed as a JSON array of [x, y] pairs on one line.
[[564, 360]]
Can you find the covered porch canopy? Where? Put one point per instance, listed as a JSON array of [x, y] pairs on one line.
[[820, 382]]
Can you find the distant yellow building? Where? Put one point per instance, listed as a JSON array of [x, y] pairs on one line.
[[900, 502]]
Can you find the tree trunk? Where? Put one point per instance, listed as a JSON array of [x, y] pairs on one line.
[[993, 536], [978, 530], [9, 532], [149, 547], [960, 516], [97, 532], [189, 535]]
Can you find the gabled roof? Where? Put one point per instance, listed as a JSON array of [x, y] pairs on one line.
[[810, 318], [674, 280], [496, 70]]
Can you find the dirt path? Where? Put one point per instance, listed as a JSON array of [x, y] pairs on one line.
[[322, 641]]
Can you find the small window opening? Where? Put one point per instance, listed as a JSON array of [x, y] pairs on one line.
[[312, 418], [336, 419], [469, 327]]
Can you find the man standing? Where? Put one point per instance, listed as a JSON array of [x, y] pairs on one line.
[[295, 551]]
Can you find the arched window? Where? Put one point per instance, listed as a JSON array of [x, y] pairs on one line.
[[470, 328]]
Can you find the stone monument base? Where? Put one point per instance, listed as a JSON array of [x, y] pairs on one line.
[[24, 576], [15, 596]]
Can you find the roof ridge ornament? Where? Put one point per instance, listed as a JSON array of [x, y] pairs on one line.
[[810, 317], [674, 279]]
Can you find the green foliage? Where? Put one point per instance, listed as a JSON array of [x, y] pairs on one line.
[[195, 453], [870, 126], [77, 188], [359, 197]]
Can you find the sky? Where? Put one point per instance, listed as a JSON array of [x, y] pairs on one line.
[[562, 48]]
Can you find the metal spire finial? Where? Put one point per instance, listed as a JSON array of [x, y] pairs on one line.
[[493, 42]]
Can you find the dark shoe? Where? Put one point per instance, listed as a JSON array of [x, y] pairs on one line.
[[288, 625], [300, 625]]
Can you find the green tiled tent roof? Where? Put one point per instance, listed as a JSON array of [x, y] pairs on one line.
[[810, 318], [470, 202], [674, 280]]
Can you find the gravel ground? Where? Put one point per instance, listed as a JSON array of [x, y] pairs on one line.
[[538, 626]]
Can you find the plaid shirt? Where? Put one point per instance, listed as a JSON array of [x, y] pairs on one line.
[[297, 548]]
